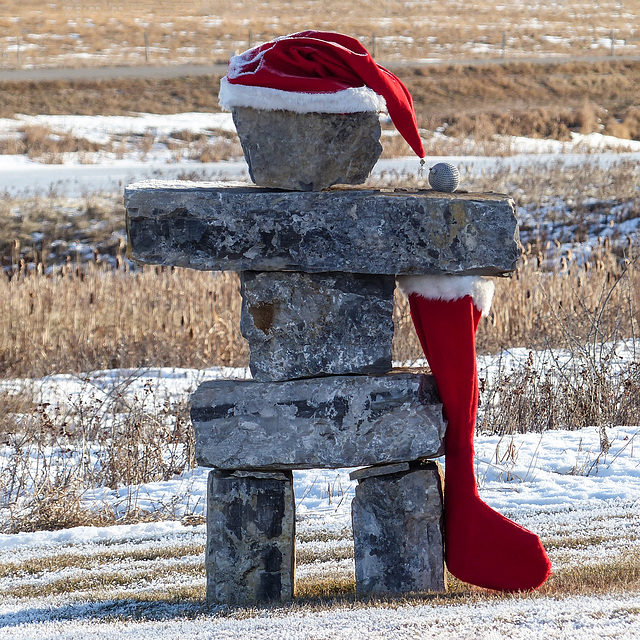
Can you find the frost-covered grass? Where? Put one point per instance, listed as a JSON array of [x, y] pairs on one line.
[[147, 579]]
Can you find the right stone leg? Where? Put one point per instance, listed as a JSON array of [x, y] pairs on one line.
[[397, 530], [250, 552]]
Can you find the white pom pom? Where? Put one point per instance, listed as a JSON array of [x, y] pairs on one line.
[[444, 177]]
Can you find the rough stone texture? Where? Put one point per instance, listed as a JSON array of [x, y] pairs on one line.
[[301, 325], [307, 151], [333, 422], [250, 552], [213, 226], [398, 532]]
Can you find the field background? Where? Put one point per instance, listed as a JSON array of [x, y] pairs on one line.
[[101, 504], [463, 107], [99, 32]]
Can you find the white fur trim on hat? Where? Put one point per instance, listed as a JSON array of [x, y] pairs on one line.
[[441, 287], [352, 100]]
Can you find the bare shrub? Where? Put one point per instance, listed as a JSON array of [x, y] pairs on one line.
[[215, 149], [43, 144], [55, 455], [588, 118]]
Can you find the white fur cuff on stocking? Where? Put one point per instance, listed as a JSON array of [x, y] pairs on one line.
[[441, 287]]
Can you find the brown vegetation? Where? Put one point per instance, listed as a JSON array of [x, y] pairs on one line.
[[98, 317], [546, 101], [66, 33]]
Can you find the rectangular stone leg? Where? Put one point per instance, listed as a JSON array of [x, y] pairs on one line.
[[250, 551], [398, 531]]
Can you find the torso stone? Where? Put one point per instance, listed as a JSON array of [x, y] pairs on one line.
[[301, 325]]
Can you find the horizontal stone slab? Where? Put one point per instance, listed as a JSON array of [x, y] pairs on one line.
[[332, 422], [302, 325], [215, 226]]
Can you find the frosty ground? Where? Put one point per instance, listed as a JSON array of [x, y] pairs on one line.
[[147, 579]]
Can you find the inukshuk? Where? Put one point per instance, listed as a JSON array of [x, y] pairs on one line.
[[318, 272]]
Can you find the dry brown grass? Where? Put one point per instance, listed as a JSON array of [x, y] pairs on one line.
[[83, 319], [550, 309], [73, 33], [97, 317], [512, 99]]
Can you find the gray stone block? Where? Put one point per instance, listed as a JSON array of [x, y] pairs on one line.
[[301, 325], [398, 532], [307, 151], [333, 422], [214, 226], [250, 552]]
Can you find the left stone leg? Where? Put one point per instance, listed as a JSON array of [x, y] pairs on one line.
[[250, 553]]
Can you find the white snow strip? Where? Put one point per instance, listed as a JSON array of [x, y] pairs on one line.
[[101, 129]]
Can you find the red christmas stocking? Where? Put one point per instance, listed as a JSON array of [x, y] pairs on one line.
[[482, 547]]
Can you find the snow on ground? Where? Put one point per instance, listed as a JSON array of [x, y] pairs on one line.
[[101, 129], [127, 580], [543, 618], [74, 174]]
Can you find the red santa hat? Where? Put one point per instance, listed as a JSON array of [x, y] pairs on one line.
[[318, 72]]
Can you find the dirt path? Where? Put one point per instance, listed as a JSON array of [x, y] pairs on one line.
[[180, 71]]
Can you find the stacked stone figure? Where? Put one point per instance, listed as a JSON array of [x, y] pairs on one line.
[[317, 272], [323, 395]]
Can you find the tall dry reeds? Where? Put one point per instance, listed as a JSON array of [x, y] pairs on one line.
[[579, 324], [96, 317], [561, 305]]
